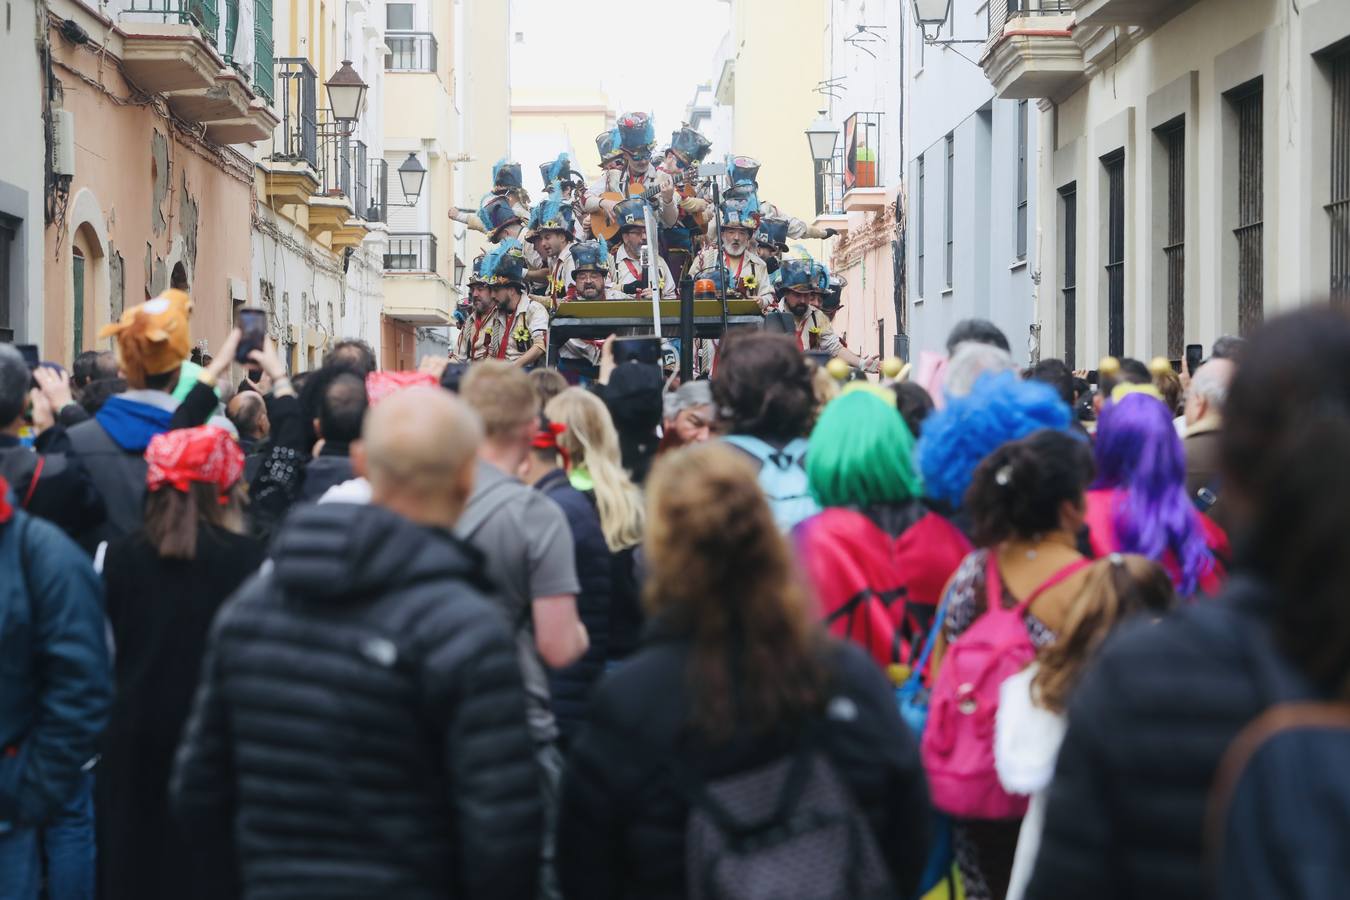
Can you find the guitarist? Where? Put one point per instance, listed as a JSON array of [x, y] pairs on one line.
[[747, 275], [628, 272], [687, 149], [635, 137]]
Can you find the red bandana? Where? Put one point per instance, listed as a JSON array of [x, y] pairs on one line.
[[381, 384], [546, 438], [206, 454], [5, 510]]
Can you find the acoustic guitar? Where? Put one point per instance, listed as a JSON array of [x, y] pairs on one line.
[[605, 228]]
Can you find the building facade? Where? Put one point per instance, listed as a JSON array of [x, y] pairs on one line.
[[23, 175], [1196, 173], [971, 245], [318, 232], [145, 186]]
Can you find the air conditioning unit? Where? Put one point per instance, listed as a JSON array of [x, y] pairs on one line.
[[63, 142]]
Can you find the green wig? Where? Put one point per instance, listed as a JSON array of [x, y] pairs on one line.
[[862, 452]]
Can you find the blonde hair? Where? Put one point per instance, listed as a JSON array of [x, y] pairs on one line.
[[720, 573], [501, 394], [592, 441], [1118, 588]]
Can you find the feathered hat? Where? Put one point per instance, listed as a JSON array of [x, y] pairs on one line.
[[507, 174], [553, 214], [559, 169], [496, 212], [635, 134], [690, 144], [504, 264], [590, 256]]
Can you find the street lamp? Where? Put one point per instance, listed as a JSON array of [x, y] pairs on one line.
[[346, 93], [410, 176], [932, 13], [822, 136], [459, 270]]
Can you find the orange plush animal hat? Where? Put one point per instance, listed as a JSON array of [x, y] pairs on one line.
[[152, 338]]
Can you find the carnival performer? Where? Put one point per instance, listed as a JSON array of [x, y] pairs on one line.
[[524, 330], [580, 358], [680, 242], [506, 201], [553, 225], [743, 173], [747, 276], [800, 286], [481, 333], [635, 136], [628, 272]]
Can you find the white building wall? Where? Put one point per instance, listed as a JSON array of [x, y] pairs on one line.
[[1185, 67], [947, 93], [22, 166]]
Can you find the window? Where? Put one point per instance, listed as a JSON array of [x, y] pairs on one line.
[[1115, 253], [9, 229], [399, 17], [77, 313], [918, 229], [1173, 138], [1250, 191], [1069, 198], [1339, 207], [949, 187], [1023, 112]]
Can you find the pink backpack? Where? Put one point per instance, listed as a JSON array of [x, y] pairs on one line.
[[958, 742]]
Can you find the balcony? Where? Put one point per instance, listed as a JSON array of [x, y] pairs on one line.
[[292, 168], [411, 252], [1031, 52], [861, 171], [374, 206], [830, 196], [1145, 13], [170, 48], [410, 51]]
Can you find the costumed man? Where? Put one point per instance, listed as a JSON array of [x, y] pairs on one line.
[[635, 137], [507, 186], [743, 173], [833, 299], [629, 274], [800, 286], [553, 227], [747, 275], [524, 329], [579, 359], [680, 242], [771, 244], [481, 333]]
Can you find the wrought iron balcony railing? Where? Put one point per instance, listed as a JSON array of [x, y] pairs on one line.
[[862, 151], [410, 51], [297, 137], [411, 252], [204, 14]]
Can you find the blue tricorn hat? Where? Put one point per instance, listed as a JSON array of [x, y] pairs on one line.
[[803, 275], [741, 213], [635, 134], [630, 213], [504, 264], [677, 238], [773, 233], [590, 256], [559, 169], [496, 212], [476, 272], [608, 146], [506, 175], [690, 144], [553, 214]]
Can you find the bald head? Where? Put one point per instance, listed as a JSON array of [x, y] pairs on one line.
[[418, 449], [1209, 391], [248, 412]]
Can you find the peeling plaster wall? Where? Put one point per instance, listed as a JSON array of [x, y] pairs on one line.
[[152, 193]]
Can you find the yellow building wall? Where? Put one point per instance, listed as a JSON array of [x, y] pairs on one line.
[[545, 123], [779, 60]]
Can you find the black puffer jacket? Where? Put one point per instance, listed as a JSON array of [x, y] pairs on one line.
[[570, 688], [360, 727], [1147, 727], [622, 823]]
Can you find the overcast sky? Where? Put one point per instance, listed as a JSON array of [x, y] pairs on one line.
[[646, 55]]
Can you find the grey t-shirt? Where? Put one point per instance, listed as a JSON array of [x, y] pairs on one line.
[[528, 547]]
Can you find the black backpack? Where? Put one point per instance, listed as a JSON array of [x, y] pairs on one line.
[[787, 830]]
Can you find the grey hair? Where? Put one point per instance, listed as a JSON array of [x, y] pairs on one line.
[[15, 379], [695, 393], [970, 361], [1211, 382]]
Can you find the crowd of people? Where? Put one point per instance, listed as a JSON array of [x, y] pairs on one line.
[[988, 632], [588, 241]]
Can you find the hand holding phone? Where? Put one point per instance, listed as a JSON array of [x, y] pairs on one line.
[[252, 324]]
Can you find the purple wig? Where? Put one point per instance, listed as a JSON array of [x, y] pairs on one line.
[[1139, 453]]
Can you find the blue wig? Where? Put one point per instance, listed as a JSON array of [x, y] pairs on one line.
[[1139, 454], [1000, 408]]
